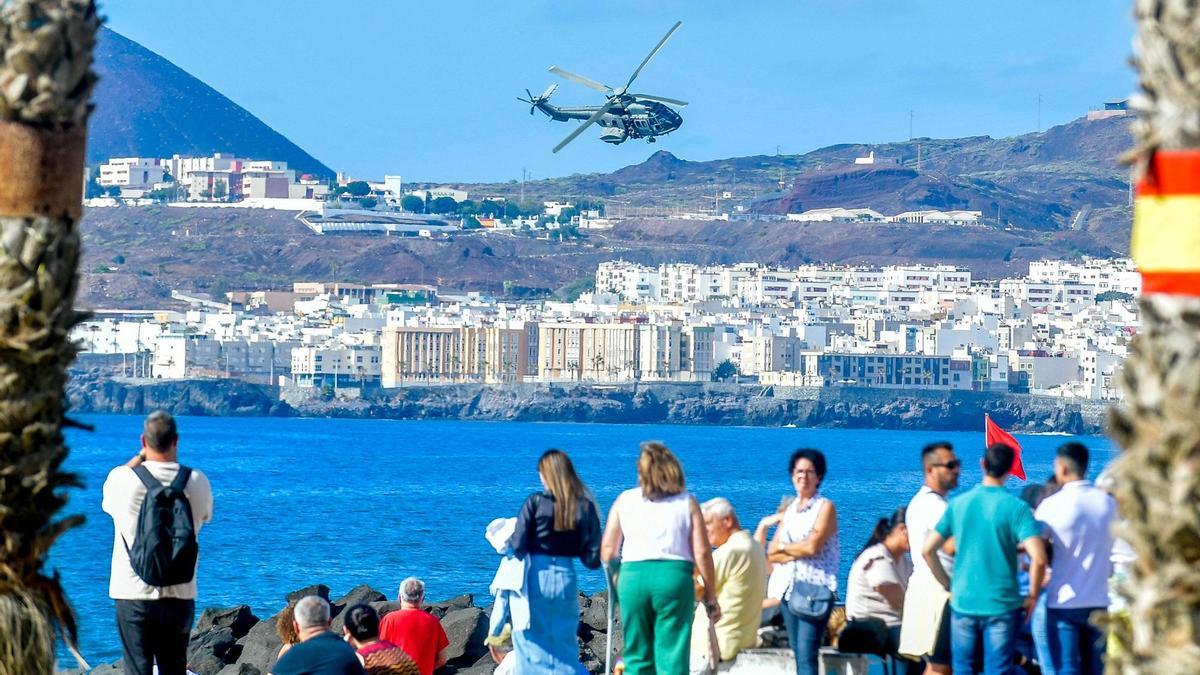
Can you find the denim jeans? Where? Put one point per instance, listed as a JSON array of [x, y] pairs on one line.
[[1076, 646], [805, 635], [1039, 626], [997, 636]]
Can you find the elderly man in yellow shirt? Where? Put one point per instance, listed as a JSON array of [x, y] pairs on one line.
[[741, 578]]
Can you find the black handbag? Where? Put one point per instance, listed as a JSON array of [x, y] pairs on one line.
[[864, 636], [812, 601]]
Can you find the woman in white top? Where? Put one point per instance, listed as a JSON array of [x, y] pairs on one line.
[[875, 592], [654, 539], [807, 543]]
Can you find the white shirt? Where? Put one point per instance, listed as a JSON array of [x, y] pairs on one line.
[[123, 496], [820, 568], [873, 568], [660, 530], [1078, 520], [924, 511]]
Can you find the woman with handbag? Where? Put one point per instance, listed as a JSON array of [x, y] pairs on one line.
[[554, 527], [653, 541], [807, 543]]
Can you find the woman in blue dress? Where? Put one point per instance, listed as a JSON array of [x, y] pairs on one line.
[[555, 526]]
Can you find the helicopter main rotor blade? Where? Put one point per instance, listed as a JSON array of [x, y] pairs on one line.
[[590, 121], [651, 55], [579, 79], [660, 99]]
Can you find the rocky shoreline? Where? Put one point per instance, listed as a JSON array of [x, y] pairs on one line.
[[647, 403], [233, 641]]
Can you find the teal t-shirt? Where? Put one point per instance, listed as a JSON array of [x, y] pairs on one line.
[[987, 524]]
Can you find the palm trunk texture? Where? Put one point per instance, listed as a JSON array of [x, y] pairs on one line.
[[1158, 475], [45, 86]]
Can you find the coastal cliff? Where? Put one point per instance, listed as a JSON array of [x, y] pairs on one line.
[[656, 403]]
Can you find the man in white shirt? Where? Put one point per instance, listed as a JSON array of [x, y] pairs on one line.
[[1078, 521], [925, 630], [154, 621]]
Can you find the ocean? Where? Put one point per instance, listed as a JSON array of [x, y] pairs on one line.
[[300, 501]]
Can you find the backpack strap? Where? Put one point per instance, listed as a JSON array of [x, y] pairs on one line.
[[146, 477], [181, 479]]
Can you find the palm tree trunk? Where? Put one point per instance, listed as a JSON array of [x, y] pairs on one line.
[[45, 87], [1158, 475]]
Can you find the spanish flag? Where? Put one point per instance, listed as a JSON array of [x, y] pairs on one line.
[[1166, 223]]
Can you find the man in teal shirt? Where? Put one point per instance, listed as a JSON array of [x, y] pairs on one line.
[[988, 524]]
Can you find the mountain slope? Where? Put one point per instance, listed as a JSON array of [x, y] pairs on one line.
[[1037, 181], [147, 106]]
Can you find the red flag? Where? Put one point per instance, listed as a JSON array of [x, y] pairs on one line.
[[994, 434]]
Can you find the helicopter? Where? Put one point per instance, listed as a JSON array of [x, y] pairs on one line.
[[623, 116]]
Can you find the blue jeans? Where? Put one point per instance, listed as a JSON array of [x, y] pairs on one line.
[[805, 635], [1039, 626], [996, 634], [1076, 646]]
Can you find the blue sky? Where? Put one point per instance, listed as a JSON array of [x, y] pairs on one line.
[[428, 90]]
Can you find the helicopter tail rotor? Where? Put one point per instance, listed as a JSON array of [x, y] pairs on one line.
[[534, 101]]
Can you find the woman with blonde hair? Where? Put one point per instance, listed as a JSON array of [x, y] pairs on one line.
[[654, 540], [555, 526]]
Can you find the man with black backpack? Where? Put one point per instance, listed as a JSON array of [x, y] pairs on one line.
[[157, 506]]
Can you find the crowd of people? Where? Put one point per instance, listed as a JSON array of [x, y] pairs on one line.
[[984, 582]]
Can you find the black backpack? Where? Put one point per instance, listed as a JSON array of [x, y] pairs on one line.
[[164, 547]]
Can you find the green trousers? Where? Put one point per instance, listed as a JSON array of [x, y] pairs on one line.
[[657, 601]]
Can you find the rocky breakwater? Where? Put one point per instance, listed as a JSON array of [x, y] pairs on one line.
[[233, 641]]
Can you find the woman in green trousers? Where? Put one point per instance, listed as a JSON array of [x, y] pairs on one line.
[[654, 540]]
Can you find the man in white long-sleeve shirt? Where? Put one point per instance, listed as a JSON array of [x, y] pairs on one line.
[[153, 621]]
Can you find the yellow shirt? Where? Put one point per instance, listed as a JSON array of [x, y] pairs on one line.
[[741, 571]]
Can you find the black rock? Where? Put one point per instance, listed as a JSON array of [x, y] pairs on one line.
[[466, 629], [360, 594], [238, 618], [364, 594], [208, 650], [440, 609], [261, 645], [240, 669], [385, 607], [484, 666], [316, 589]]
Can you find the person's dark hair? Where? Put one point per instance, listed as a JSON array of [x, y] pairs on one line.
[[159, 430], [1035, 494], [815, 456], [363, 622], [1076, 457], [998, 460], [930, 450], [884, 527]]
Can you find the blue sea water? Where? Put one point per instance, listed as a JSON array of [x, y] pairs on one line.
[[349, 502]]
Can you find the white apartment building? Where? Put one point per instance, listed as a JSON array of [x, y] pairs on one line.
[[336, 365], [1105, 275], [131, 172]]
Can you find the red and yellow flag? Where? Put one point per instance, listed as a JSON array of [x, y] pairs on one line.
[[1166, 223]]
